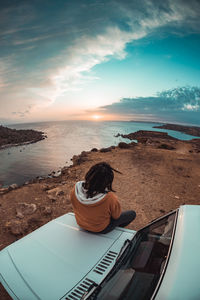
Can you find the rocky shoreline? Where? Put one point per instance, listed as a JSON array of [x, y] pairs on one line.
[[191, 130], [159, 140], [13, 137]]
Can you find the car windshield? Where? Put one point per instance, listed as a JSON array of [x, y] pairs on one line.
[[138, 276]]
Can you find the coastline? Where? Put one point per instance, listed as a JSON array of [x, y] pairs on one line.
[[142, 136], [20, 144], [190, 130], [13, 138], [145, 182]]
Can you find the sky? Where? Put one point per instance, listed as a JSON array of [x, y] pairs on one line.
[[100, 60]]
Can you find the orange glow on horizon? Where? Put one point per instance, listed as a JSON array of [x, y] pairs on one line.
[[96, 117]]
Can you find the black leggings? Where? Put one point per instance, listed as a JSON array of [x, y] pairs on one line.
[[124, 219]]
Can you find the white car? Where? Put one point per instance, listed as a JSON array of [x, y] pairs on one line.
[[61, 261]]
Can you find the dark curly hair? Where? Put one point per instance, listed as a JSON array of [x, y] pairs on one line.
[[99, 179]]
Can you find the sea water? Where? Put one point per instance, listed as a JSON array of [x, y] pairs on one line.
[[65, 139]]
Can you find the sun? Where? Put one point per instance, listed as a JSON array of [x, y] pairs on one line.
[[96, 117]]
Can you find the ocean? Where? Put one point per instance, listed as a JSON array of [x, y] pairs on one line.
[[65, 139]]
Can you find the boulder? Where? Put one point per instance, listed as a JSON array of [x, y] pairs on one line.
[[103, 150], [56, 174], [13, 186], [123, 145]]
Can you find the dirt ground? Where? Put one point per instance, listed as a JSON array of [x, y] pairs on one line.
[[154, 181]]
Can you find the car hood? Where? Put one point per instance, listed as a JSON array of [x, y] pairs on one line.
[[53, 259]]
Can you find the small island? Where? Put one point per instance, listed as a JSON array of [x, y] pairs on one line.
[[191, 130], [13, 137]]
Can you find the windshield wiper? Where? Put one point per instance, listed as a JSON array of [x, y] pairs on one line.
[[126, 245], [94, 287]]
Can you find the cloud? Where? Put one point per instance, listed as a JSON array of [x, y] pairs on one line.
[[22, 114], [49, 49], [77, 61], [87, 52], [181, 102], [4, 69]]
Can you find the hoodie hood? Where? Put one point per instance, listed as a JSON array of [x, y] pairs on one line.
[[81, 194]]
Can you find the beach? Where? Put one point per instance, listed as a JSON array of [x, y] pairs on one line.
[[158, 175]]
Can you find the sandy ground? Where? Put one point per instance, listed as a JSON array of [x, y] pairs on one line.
[[154, 181]]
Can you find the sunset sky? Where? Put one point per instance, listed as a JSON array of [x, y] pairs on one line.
[[100, 60]]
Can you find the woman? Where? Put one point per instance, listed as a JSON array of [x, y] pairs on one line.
[[95, 205]]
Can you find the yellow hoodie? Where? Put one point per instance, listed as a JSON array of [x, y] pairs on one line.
[[94, 214]]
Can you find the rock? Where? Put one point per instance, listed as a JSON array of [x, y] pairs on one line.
[[17, 227], [4, 190], [94, 150], [25, 209], [54, 190], [13, 186], [166, 146], [65, 171], [133, 144], [46, 210], [59, 193], [46, 187], [123, 145], [79, 159], [103, 150], [19, 215], [34, 223], [56, 174], [52, 198], [83, 153]]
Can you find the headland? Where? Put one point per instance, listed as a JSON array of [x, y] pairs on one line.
[[13, 137]]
